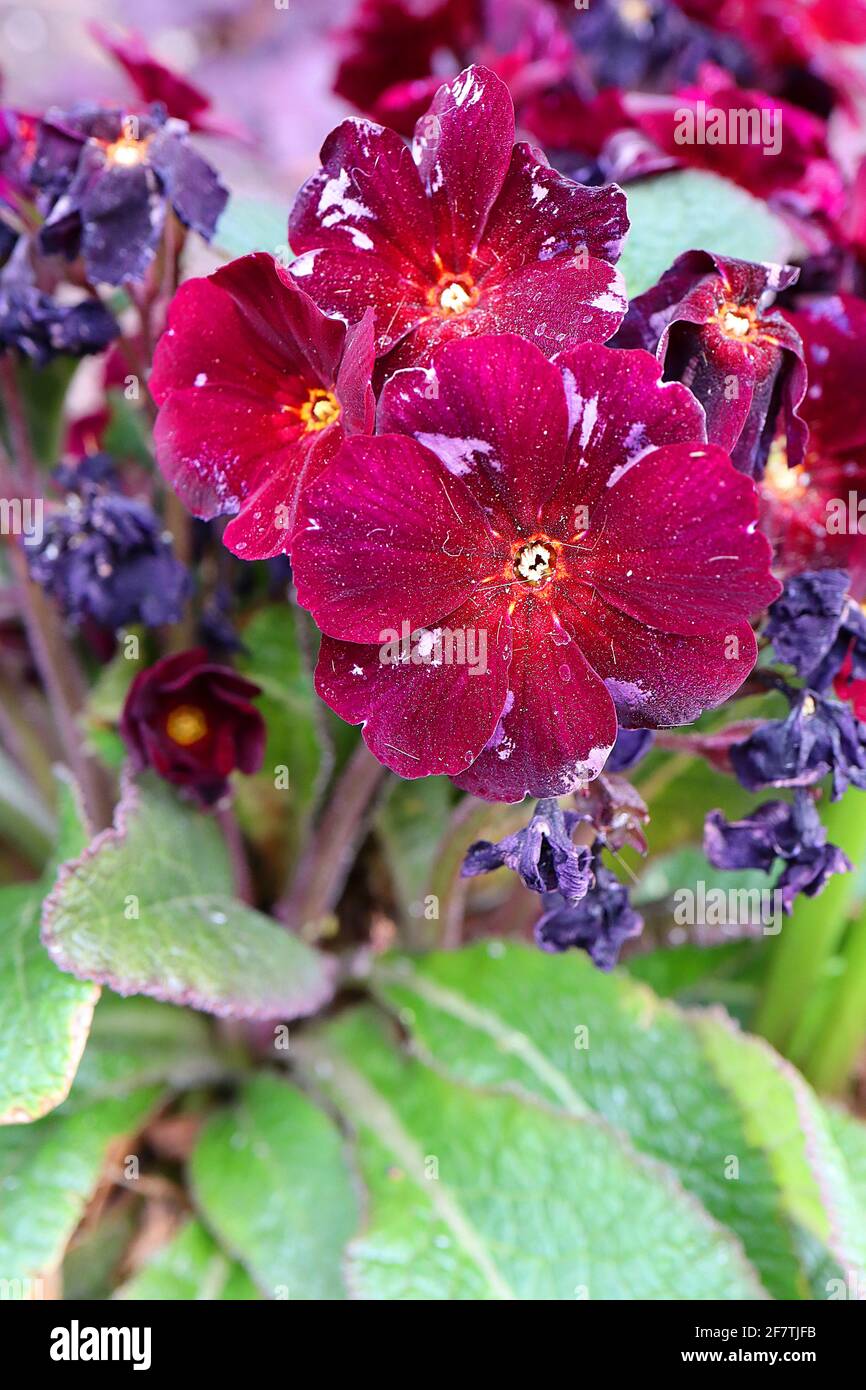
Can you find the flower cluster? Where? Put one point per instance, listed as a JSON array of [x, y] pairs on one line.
[[535, 525]]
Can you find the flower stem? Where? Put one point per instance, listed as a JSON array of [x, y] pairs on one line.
[[234, 840], [66, 691], [324, 867], [19, 433]]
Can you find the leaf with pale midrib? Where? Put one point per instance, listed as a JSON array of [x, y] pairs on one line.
[[270, 1177], [677, 1085], [483, 1196], [191, 942]]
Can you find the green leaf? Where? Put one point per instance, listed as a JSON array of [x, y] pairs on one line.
[[271, 1179], [784, 1116], [849, 1133], [273, 658], [48, 1171], [190, 1267], [148, 909], [252, 224], [691, 208], [43, 391], [411, 825], [44, 1014], [137, 1042], [700, 974], [484, 1196], [513, 1017], [91, 1262]]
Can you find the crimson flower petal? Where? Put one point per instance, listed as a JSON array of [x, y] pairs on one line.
[[245, 358], [462, 147], [479, 409], [661, 679], [619, 410], [429, 713], [366, 197], [541, 214], [388, 536], [676, 543], [558, 723]]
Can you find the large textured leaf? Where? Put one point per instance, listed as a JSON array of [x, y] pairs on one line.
[[693, 208], [850, 1135], [48, 1171], [480, 1196], [148, 909], [784, 1116], [44, 1014], [137, 1042], [513, 1017], [191, 1267], [271, 1179]]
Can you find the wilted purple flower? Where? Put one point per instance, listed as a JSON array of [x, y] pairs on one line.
[[106, 557], [631, 745], [818, 737], [777, 830], [543, 854], [816, 626], [650, 44], [109, 179], [598, 924], [805, 619], [40, 328]]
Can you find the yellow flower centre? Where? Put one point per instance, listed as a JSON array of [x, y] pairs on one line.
[[126, 152], [787, 484], [737, 321], [455, 298], [319, 410], [186, 724], [534, 562], [635, 13]]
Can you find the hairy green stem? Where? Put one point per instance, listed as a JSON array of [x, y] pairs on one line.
[[324, 866], [842, 1038], [801, 954]]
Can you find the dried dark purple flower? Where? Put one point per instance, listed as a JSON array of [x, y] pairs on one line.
[[40, 329], [543, 853], [777, 830], [818, 737], [106, 557], [631, 746], [109, 179], [599, 924]]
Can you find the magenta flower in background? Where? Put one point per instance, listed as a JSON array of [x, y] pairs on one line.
[[395, 54], [153, 81], [257, 389], [806, 507], [569, 521], [709, 322], [476, 235], [798, 177]]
